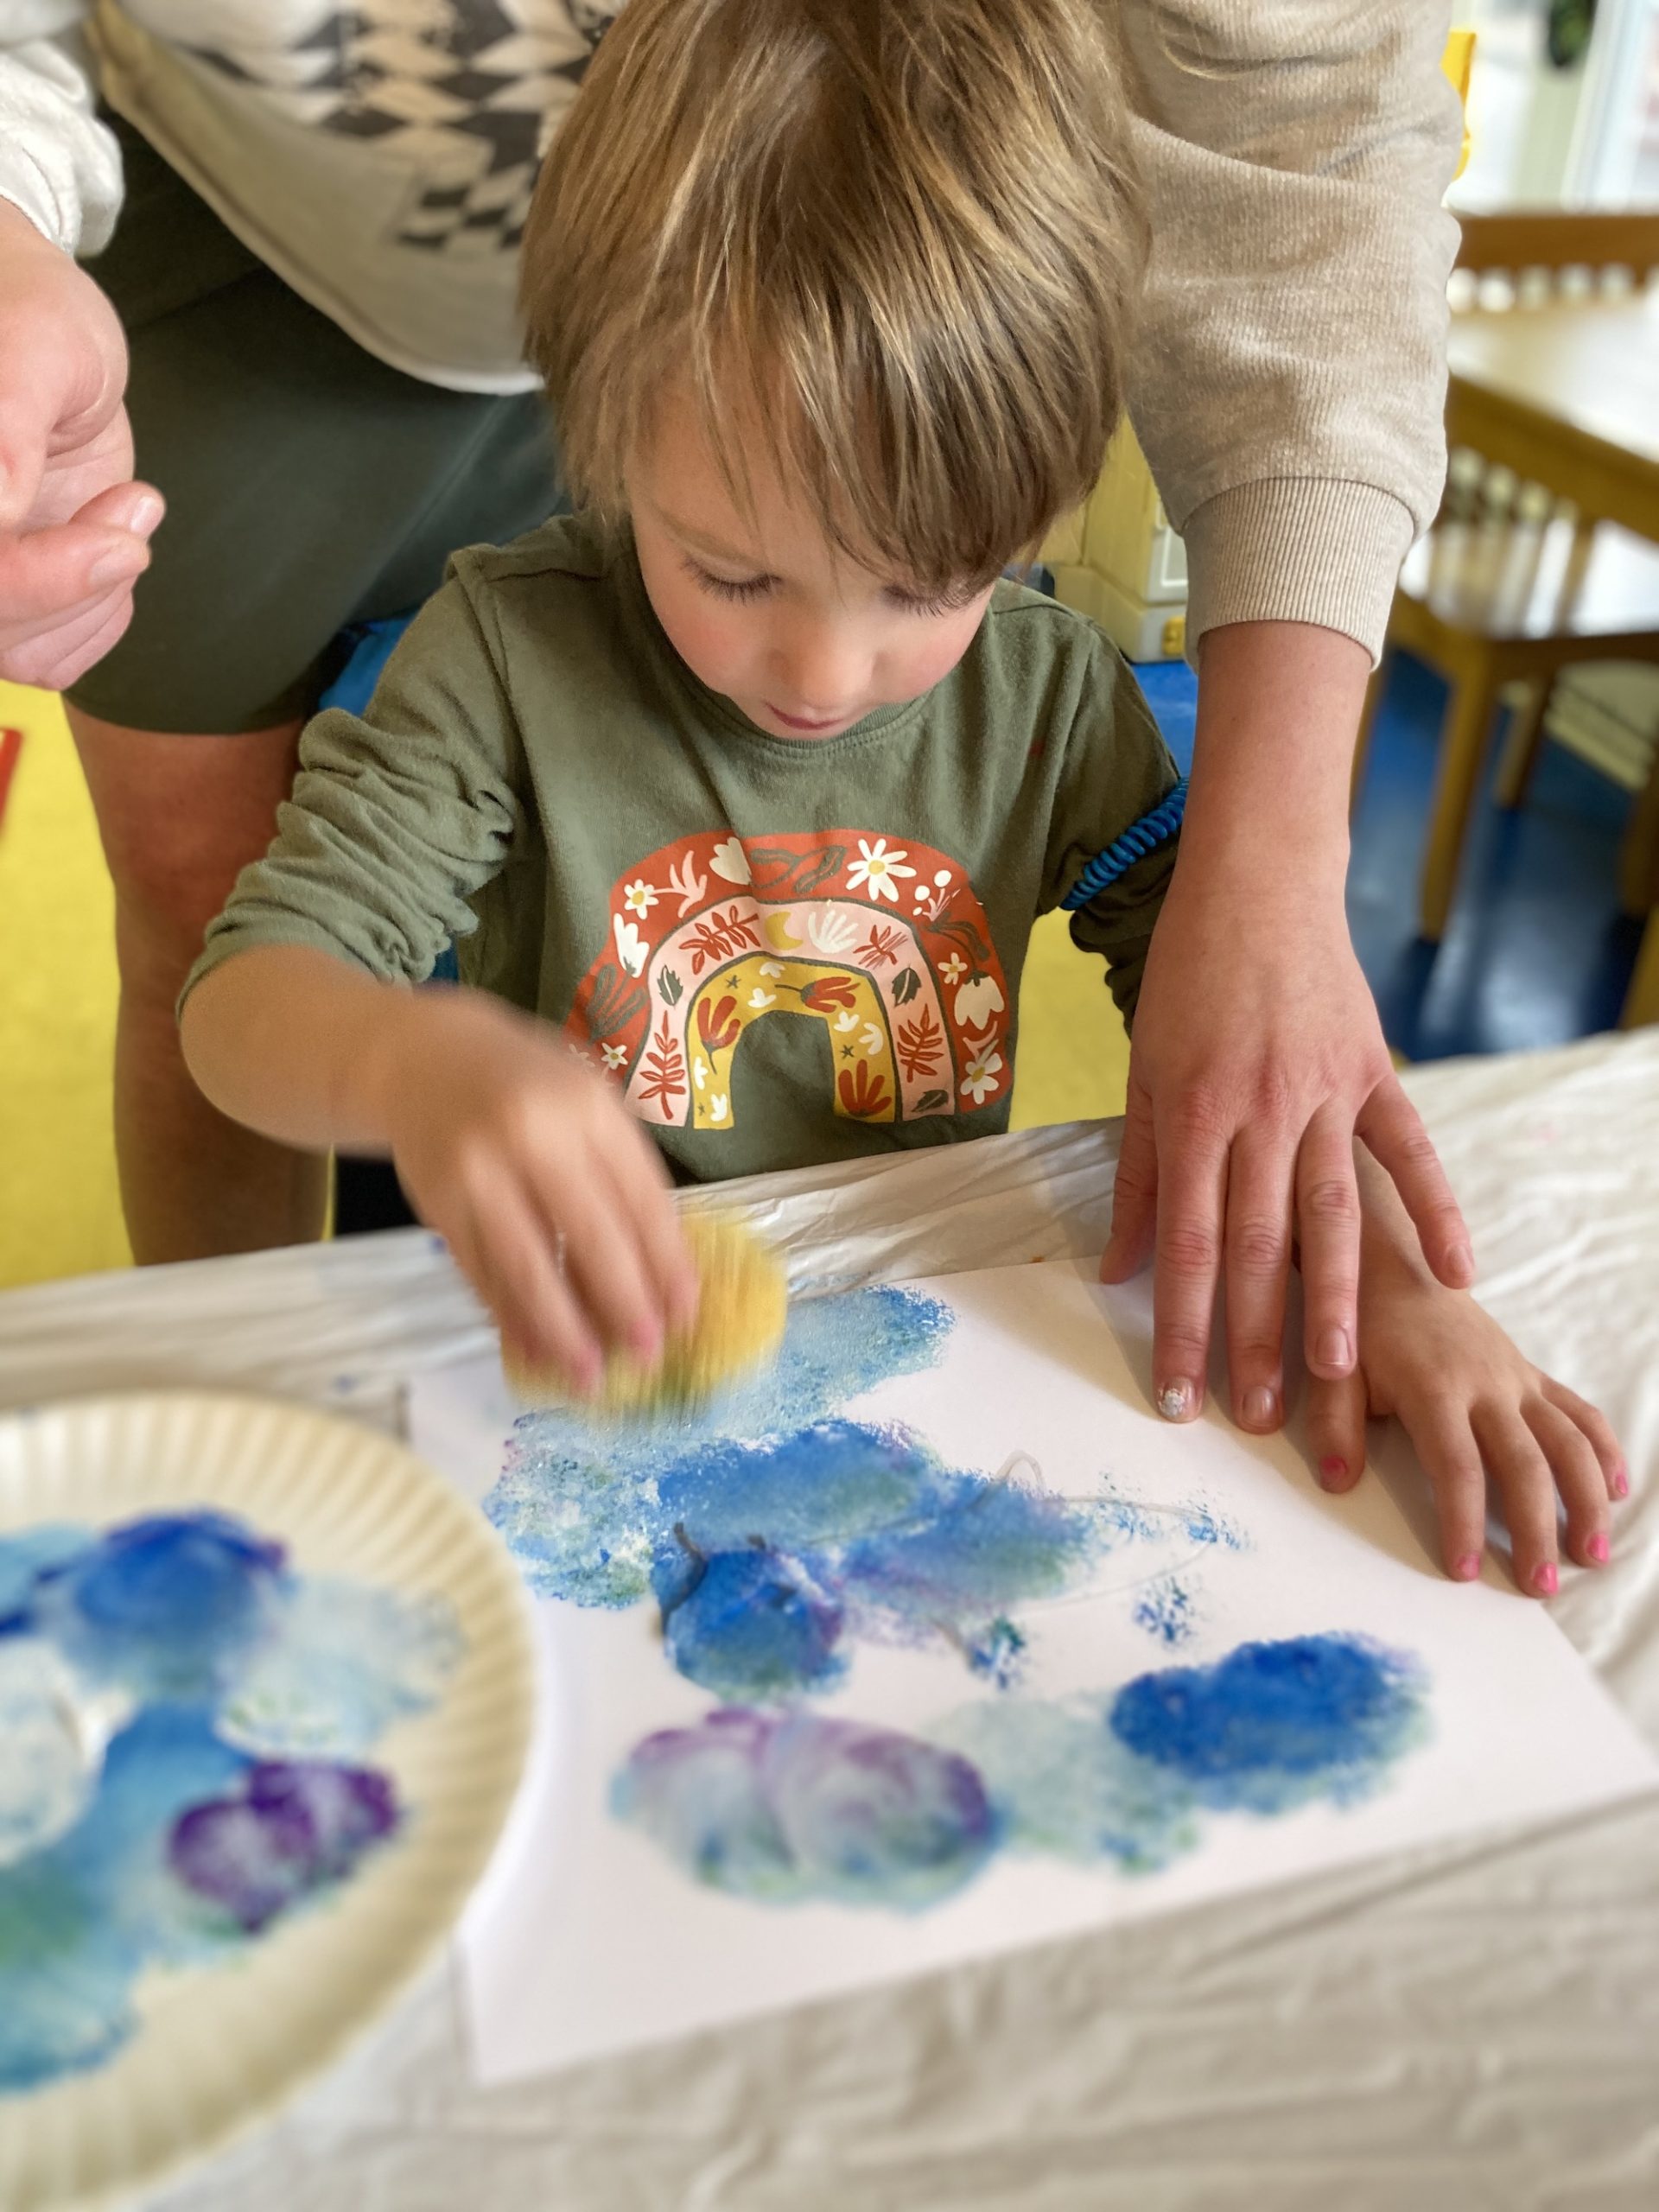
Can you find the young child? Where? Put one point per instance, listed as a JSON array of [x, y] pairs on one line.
[[742, 787]]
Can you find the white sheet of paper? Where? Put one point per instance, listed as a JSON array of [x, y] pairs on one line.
[[587, 1939]]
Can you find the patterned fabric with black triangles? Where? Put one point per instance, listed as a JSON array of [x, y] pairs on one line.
[[423, 79], [378, 154]]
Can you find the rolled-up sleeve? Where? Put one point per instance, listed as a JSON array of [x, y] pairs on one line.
[[1288, 383], [399, 816]]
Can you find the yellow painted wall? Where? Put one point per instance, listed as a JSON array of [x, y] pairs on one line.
[[59, 1210]]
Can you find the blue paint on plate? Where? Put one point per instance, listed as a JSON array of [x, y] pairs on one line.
[[177, 1707]]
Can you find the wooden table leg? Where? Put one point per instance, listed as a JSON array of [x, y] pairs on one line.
[[1638, 861], [1522, 746], [1463, 748], [1642, 1001]]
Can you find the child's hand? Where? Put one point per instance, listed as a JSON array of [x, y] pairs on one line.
[[1475, 1410], [551, 1197]]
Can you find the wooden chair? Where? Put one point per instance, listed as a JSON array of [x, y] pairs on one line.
[[1499, 591]]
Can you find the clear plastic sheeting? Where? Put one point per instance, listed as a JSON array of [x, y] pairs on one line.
[[1468, 2028]]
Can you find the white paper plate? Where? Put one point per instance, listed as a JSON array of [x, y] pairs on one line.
[[220, 2046]]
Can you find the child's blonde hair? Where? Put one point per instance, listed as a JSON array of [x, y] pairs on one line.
[[900, 236]]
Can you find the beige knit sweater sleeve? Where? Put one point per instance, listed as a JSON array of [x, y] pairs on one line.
[[1289, 382]]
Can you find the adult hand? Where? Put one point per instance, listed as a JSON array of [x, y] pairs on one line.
[[74, 525], [1258, 1056]]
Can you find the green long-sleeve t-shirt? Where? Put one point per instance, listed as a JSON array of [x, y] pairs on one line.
[[780, 950]]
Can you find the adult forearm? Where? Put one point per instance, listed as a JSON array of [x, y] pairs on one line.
[[1279, 709], [298, 1045]]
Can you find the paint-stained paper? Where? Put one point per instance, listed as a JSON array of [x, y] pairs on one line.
[[936, 1642]]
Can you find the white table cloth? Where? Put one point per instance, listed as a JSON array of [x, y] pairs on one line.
[[1470, 2028]]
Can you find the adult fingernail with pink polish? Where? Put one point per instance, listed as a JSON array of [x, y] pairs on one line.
[[1545, 1580], [1332, 1470], [1621, 1482], [1467, 1568], [1597, 1549]]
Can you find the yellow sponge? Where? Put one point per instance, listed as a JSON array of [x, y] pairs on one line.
[[740, 1326]]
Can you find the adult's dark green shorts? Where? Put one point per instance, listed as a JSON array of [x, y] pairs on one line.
[[308, 485]]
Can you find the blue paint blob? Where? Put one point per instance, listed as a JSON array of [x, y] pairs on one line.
[[862, 1527], [577, 1500], [971, 1548], [25, 1558], [793, 1808], [166, 1607], [1274, 1725], [748, 1626], [805, 1489], [871, 1537], [891, 1544], [81, 1920]]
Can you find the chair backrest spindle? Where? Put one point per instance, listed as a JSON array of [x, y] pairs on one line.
[[1526, 255]]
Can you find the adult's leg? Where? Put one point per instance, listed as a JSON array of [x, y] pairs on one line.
[[179, 817], [308, 485]]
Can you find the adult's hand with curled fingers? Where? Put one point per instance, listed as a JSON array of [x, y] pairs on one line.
[[1258, 1055], [74, 526]]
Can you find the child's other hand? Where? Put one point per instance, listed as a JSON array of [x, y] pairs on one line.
[[1477, 1413], [554, 1201]]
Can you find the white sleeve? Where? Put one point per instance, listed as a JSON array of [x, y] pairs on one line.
[[58, 163]]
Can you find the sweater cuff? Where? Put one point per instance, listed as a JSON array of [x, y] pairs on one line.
[[1295, 548]]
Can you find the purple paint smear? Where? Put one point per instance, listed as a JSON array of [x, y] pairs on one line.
[[289, 1829]]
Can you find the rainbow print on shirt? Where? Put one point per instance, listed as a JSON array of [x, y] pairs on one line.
[[885, 943]]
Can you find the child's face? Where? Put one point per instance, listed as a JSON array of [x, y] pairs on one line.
[[765, 610]]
